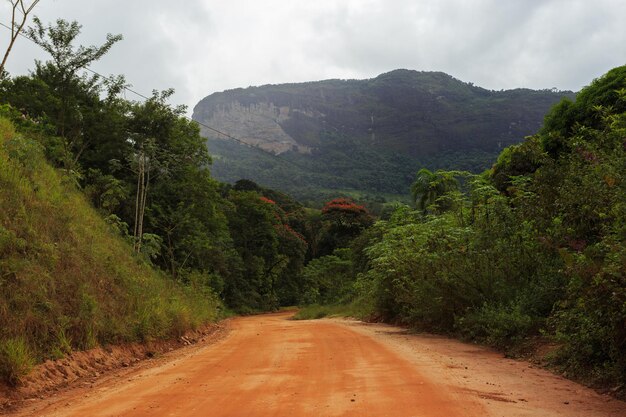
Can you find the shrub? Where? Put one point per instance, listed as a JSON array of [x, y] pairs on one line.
[[497, 325], [16, 360], [328, 279]]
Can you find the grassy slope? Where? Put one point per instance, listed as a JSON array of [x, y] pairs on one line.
[[67, 280]]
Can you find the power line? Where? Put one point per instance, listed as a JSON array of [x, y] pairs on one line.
[[248, 145], [229, 136]]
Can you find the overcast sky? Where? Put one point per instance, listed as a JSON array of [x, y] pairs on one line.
[[202, 46]]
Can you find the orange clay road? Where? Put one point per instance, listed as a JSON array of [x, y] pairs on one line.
[[271, 366]]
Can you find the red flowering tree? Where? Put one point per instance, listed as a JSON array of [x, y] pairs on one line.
[[343, 220]]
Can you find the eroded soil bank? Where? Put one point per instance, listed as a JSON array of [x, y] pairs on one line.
[[97, 366]]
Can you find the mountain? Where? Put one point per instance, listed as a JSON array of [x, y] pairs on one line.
[[324, 138]]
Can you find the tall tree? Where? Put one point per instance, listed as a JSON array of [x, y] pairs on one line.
[[19, 15], [58, 41], [151, 133], [251, 221], [75, 109]]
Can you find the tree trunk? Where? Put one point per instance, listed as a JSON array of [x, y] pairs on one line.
[[143, 184], [144, 196], [139, 199]]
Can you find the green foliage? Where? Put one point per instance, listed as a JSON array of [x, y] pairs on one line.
[[517, 160], [16, 360], [86, 127], [57, 41], [429, 188], [328, 279], [504, 327], [105, 191], [605, 95], [450, 270], [271, 254], [534, 246], [341, 220], [67, 280], [316, 311]]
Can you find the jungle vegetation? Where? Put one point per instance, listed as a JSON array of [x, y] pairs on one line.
[[112, 229], [534, 247]]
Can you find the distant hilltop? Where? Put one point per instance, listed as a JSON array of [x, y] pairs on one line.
[[394, 123]]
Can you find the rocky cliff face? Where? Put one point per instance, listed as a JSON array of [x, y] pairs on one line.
[[368, 135], [257, 124]]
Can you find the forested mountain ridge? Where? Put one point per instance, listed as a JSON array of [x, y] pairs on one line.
[[366, 135]]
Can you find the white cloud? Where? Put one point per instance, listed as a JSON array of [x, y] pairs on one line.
[[202, 46]]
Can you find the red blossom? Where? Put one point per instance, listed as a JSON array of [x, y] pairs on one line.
[[288, 229], [294, 233], [267, 200], [342, 204]]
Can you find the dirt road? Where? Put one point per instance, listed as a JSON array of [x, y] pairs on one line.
[[271, 366]]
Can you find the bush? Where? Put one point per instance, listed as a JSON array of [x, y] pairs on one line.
[[499, 326], [328, 279], [537, 246], [16, 360]]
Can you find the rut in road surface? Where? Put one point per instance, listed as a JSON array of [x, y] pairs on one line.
[[271, 366]]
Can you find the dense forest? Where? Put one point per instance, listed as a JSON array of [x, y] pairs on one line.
[[364, 138], [112, 229]]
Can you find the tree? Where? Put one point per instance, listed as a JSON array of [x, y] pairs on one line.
[[605, 95], [58, 42], [251, 222], [343, 220], [328, 279], [19, 15], [429, 186], [163, 144], [77, 105], [292, 245], [144, 160], [517, 160]]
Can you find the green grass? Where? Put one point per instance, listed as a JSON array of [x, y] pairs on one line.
[[316, 311], [68, 281], [16, 360]]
